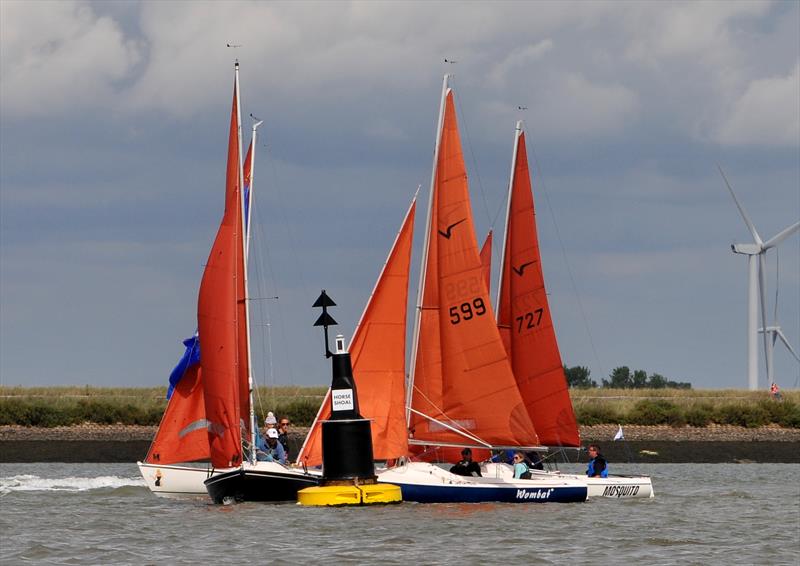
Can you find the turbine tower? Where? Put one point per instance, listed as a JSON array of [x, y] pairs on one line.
[[756, 262], [774, 332]]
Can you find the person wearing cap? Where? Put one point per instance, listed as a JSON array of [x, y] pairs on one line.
[[270, 421], [466, 467], [271, 450]]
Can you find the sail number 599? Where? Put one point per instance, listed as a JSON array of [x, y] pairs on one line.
[[468, 310]]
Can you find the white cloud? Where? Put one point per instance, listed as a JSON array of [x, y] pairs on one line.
[[689, 29], [59, 55], [768, 113], [563, 105], [519, 58]]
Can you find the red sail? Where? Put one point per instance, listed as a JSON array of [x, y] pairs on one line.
[[462, 376], [378, 356], [486, 261], [247, 166], [524, 318], [219, 313], [183, 433]]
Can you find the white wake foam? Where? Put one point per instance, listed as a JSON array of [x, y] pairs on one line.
[[29, 482]]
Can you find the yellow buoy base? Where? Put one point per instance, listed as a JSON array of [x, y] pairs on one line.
[[370, 494]]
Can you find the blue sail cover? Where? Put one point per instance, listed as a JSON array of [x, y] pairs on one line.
[[191, 357], [246, 205]]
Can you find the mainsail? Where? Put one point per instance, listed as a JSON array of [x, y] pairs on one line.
[[221, 318], [378, 356], [463, 389], [524, 319]]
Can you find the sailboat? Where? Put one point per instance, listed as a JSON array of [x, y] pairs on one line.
[[474, 383], [210, 415], [526, 326], [178, 460]]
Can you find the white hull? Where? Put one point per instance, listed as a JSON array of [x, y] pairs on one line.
[[177, 480], [428, 483], [187, 479], [614, 487]]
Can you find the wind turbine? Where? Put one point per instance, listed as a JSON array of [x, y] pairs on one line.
[[774, 332], [756, 261]]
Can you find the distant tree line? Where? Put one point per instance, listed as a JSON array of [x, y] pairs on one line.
[[621, 378]]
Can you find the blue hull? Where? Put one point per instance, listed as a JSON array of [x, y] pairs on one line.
[[460, 494]]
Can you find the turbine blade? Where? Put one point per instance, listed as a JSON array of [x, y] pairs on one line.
[[746, 218], [782, 336], [781, 236], [762, 286]]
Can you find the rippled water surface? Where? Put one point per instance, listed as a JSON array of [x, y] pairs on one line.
[[103, 514]]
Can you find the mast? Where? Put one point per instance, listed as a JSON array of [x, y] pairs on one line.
[[517, 133], [244, 259], [249, 203], [426, 245]]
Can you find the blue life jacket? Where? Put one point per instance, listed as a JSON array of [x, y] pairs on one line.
[[590, 470]]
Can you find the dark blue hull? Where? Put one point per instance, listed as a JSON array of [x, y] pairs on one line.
[[461, 494], [258, 485]]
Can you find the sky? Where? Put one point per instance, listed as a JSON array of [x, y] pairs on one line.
[[113, 135]]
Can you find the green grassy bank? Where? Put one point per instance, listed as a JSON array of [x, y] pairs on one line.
[[63, 406]]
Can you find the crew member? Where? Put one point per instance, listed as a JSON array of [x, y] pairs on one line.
[[520, 467], [272, 450], [283, 433], [466, 467], [597, 467]]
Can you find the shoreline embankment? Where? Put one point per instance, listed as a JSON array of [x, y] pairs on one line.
[[642, 444]]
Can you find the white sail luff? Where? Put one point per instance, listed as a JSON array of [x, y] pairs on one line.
[[425, 247], [517, 134]]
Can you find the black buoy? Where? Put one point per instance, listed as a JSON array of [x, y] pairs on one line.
[[346, 436], [348, 471]]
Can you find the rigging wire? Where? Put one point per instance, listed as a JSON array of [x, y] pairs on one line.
[[564, 253], [462, 114], [493, 220], [262, 275], [277, 186]]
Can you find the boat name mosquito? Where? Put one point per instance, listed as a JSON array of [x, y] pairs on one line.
[[621, 491]]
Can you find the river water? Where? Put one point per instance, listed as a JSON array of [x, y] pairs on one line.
[[103, 514]]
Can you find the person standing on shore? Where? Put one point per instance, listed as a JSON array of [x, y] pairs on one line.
[[598, 467]]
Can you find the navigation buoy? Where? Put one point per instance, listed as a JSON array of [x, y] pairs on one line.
[[348, 471]]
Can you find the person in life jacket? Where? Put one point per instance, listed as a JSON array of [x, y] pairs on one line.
[[521, 470], [466, 467], [597, 467]]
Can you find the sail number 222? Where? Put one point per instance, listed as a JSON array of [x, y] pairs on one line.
[[467, 310]]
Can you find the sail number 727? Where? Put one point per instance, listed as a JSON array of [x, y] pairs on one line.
[[529, 320], [467, 310]]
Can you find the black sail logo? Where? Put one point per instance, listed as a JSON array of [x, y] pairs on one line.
[[449, 232], [519, 270]]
